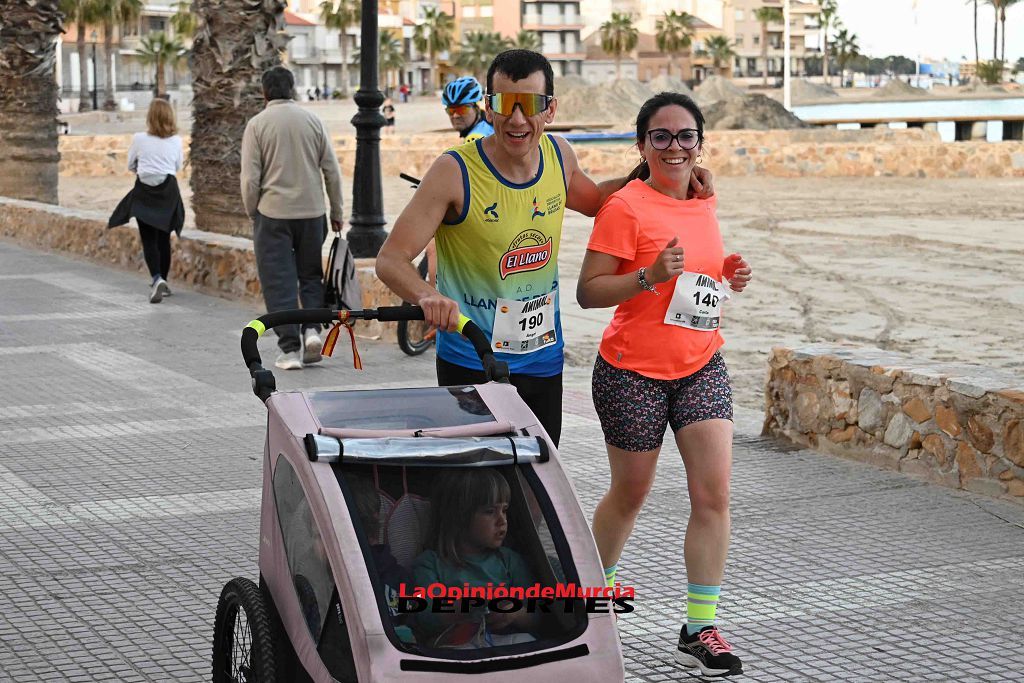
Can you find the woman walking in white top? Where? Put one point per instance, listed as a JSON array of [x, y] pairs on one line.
[[155, 201]]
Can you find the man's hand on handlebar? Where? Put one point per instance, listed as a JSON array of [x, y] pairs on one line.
[[440, 311]]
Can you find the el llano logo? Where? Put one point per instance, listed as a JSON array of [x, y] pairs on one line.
[[530, 250]]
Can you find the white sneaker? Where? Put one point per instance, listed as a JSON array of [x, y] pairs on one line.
[[159, 291], [289, 361], [312, 346]]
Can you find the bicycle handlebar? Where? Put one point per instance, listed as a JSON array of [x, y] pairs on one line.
[[263, 383]]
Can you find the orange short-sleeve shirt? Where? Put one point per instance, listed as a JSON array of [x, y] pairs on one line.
[[635, 225]]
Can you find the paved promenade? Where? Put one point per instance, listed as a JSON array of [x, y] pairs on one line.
[[130, 465]]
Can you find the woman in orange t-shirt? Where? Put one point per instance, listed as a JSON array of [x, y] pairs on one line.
[[658, 256]]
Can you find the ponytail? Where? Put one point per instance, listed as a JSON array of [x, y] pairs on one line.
[[641, 172]]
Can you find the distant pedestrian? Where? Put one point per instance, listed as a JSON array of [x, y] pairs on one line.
[[388, 109], [309, 95], [317, 92], [155, 201], [404, 91], [285, 151]]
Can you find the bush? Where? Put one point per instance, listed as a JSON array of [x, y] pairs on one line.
[[991, 72]]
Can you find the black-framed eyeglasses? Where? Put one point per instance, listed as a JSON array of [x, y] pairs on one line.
[[661, 138]]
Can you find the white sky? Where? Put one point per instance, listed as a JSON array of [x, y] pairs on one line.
[[944, 28]]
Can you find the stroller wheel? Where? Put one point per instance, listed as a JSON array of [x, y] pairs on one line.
[[243, 645]]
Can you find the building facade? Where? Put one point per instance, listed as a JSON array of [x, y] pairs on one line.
[[740, 24], [559, 25]]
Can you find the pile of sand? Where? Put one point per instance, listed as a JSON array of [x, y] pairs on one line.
[[715, 89], [897, 88], [977, 86], [665, 83], [564, 84], [805, 91], [749, 112], [616, 101]]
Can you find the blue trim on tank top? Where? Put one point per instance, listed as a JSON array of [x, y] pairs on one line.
[[501, 179], [465, 189]]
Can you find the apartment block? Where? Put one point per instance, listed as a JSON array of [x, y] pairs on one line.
[[739, 22]]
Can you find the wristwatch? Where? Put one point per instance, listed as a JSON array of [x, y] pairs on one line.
[[640, 276]]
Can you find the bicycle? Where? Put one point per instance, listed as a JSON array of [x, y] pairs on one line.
[[415, 336]]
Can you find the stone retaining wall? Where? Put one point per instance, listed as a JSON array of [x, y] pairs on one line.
[[216, 264], [779, 153], [957, 425]]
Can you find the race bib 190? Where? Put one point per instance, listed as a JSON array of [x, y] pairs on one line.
[[524, 326]]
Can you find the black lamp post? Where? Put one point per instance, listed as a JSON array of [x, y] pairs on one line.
[[95, 83], [367, 233]]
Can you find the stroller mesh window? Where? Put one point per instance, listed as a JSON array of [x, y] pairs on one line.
[[408, 516], [304, 549], [422, 408]]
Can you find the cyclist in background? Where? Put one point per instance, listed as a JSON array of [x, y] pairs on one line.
[[461, 99]]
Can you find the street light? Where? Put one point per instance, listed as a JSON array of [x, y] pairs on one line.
[[95, 83], [367, 233], [787, 100]]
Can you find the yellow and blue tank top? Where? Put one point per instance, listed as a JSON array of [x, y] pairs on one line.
[[504, 245]]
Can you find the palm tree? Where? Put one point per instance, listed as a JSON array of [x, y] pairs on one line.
[[527, 40], [720, 50], [227, 60], [82, 13], [996, 4], [827, 17], [114, 13], [766, 15], [390, 56], [846, 50], [435, 34], [160, 50], [1002, 22], [618, 37], [183, 21], [977, 54], [479, 48], [28, 99], [673, 34], [341, 15]]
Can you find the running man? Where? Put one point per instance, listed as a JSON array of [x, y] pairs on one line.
[[495, 207], [461, 99]]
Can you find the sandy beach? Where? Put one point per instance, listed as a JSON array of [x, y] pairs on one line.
[[926, 267]]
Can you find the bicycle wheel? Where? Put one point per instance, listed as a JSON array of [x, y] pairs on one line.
[[243, 644], [413, 336]]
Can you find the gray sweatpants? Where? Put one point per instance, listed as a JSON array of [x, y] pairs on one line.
[[288, 260]]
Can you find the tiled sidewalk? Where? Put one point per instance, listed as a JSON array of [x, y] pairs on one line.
[[130, 449]]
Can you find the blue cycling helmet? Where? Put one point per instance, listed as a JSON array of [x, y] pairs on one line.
[[465, 90]]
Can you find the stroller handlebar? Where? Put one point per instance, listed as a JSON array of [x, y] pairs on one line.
[[263, 382]]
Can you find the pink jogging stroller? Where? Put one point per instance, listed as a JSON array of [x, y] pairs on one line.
[[346, 508]]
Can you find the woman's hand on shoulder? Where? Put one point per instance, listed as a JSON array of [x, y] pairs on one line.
[[668, 264], [737, 271], [701, 184]]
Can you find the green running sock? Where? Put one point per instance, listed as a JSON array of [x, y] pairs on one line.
[[609, 575], [701, 604]]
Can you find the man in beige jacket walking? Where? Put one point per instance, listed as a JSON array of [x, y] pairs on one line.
[[285, 151]]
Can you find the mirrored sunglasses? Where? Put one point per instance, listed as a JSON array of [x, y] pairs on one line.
[[460, 109], [662, 138], [531, 104]]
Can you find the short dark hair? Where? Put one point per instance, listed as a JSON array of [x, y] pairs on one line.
[[519, 64], [278, 84], [647, 112]]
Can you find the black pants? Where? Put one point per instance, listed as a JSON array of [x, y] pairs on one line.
[[542, 394], [290, 266], [156, 248]]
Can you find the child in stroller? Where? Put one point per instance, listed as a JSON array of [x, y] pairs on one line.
[[469, 526]]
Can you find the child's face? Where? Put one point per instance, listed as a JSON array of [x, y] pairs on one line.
[[489, 526]]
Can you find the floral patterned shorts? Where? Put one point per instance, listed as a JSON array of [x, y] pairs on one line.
[[634, 410]]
